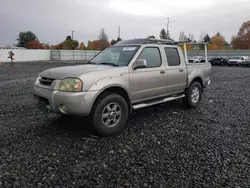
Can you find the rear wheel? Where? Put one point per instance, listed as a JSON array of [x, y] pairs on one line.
[[110, 114], [193, 95]]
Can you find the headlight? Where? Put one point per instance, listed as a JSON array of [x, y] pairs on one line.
[[37, 80], [71, 85]]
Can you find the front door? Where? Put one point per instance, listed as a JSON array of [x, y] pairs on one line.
[[150, 82]]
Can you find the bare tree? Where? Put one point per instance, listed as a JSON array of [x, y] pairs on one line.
[[103, 37]]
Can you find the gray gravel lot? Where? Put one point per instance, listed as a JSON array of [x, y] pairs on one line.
[[163, 146]]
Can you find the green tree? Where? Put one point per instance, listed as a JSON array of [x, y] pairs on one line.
[[25, 37], [75, 44], [67, 45], [163, 34], [68, 37], [113, 42], [206, 38]]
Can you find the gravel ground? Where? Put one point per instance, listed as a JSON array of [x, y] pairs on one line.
[[163, 146]]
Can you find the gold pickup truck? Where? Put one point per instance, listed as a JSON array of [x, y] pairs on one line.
[[130, 75]]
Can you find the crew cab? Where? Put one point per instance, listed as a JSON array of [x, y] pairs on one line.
[[130, 75]]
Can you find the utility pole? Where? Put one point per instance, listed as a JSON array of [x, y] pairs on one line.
[[168, 27], [119, 31], [72, 35]]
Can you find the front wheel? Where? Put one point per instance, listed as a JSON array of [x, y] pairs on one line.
[[193, 95], [110, 114]]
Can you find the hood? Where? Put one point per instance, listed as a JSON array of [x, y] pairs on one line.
[[235, 60], [72, 71]]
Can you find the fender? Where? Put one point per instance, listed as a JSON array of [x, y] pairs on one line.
[[108, 82], [195, 74]]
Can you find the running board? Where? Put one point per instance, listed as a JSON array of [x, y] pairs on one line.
[[151, 103]]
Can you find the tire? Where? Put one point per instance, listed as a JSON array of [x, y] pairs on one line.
[[104, 112], [193, 95]]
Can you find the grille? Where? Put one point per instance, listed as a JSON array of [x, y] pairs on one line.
[[46, 81], [233, 62]]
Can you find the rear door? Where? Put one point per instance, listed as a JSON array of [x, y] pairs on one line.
[[176, 70]]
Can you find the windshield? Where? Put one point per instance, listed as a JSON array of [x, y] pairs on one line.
[[235, 58], [120, 55]]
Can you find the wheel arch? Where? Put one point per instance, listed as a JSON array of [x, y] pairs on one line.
[[117, 90], [199, 80]]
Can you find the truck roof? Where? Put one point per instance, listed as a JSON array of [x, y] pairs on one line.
[[142, 41]]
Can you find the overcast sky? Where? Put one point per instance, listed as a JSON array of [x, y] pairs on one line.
[[53, 20]]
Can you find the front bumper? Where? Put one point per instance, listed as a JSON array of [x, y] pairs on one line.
[[66, 103], [234, 63]]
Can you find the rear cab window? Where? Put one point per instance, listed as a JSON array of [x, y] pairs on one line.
[[173, 56]]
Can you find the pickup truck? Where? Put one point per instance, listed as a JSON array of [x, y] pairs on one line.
[[237, 60], [130, 75]]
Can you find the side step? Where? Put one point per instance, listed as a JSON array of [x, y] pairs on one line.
[[151, 103]]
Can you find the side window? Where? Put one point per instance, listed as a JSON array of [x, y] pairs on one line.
[[172, 56], [152, 56]]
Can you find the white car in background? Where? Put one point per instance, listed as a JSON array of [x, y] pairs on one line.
[[237, 60], [195, 59]]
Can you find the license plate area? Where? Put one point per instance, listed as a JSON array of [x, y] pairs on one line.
[[42, 103]]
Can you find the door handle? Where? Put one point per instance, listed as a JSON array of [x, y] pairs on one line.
[[162, 72], [181, 70]]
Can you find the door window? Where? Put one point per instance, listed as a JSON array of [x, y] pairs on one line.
[[152, 56], [172, 56]]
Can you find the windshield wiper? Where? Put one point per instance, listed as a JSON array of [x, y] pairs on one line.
[[106, 63]]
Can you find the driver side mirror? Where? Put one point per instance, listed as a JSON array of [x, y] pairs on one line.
[[140, 63]]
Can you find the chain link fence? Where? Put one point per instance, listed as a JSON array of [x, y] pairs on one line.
[[73, 55]]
